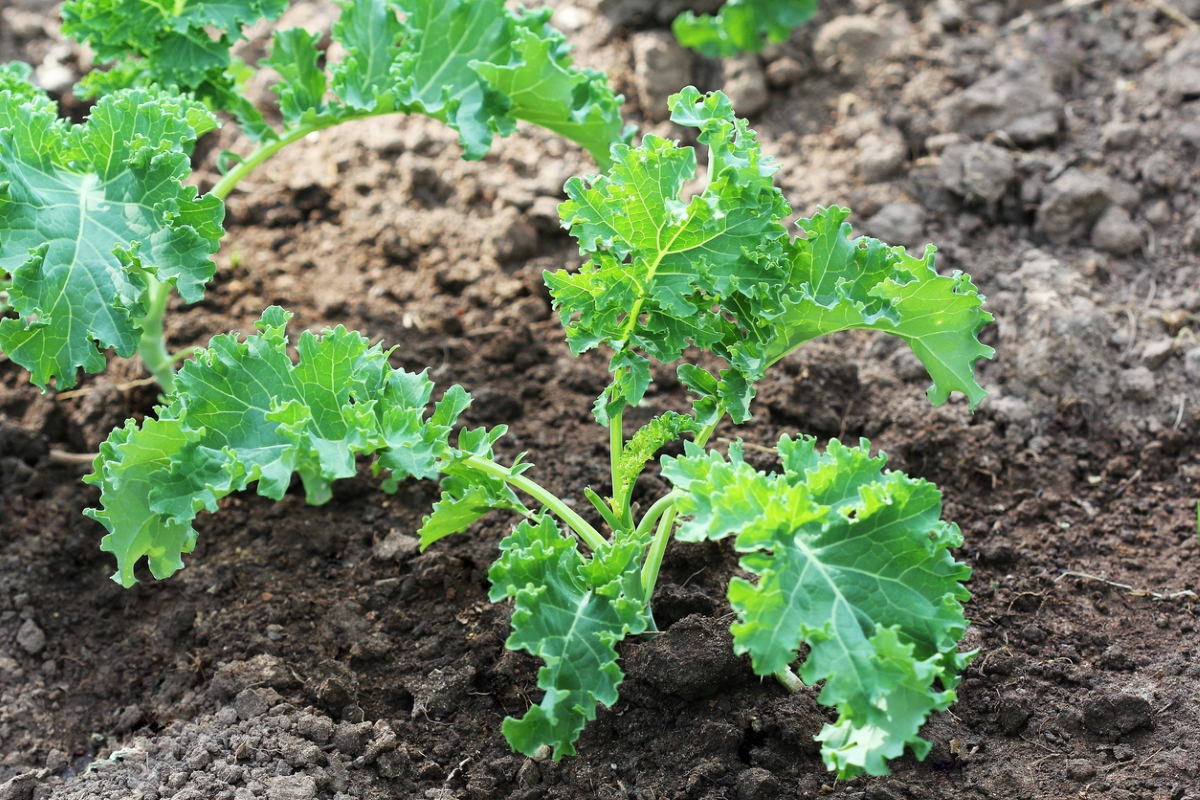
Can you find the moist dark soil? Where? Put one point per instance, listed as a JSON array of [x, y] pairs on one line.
[[1049, 150]]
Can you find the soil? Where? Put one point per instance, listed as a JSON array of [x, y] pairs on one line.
[[1049, 150]]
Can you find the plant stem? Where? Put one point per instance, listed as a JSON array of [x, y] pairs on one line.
[[658, 548], [153, 346], [616, 447], [789, 680], [662, 536], [261, 154], [544, 496], [655, 512]]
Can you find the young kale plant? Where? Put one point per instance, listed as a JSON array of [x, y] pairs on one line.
[[96, 228], [742, 26], [850, 559]]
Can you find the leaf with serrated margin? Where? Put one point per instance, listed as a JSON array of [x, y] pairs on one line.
[[644, 443], [543, 89], [855, 562], [742, 26], [244, 412], [302, 84], [664, 271], [86, 212], [862, 283], [473, 64], [569, 612], [184, 44]]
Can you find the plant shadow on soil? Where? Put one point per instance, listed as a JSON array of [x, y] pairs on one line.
[[304, 654]]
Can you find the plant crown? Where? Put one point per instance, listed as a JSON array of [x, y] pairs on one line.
[[742, 26], [851, 559]]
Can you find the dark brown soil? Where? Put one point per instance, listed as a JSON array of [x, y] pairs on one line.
[[296, 658]]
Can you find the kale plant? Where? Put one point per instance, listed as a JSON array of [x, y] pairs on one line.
[[850, 558]]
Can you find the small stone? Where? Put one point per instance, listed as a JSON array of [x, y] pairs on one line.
[[937, 143], [1023, 104], [1161, 171], [31, 638], [898, 223], [880, 158], [850, 45], [784, 72], [976, 172], [1156, 354], [1138, 384], [661, 66], [515, 239], [1013, 714], [1080, 769], [745, 85], [1158, 213], [757, 784], [1071, 205], [1033, 634], [54, 77], [397, 545], [1191, 364], [1119, 134], [291, 787], [20, 787], [1114, 715], [1116, 232], [251, 703]]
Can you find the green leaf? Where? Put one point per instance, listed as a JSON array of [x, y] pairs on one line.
[[742, 26], [717, 271], [244, 412], [87, 212], [853, 561], [569, 612], [647, 441], [182, 43], [544, 89], [863, 283], [474, 65], [665, 272], [302, 86]]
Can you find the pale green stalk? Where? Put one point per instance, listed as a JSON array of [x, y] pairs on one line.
[[581, 526]]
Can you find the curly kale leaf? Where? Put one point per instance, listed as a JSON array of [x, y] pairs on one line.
[[855, 562], [244, 412], [862, 283], [718, 271], [742, 26], [569, 612], [182, 43], [666, 272], [89, 212]]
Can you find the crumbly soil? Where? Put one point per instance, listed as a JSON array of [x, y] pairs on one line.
[[298, 657]]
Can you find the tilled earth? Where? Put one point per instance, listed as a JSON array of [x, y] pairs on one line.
[[1049, 150]]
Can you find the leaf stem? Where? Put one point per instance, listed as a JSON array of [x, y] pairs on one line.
[[789, 680], [153, 346], [662, 536], [593, 537], [616, 448], [261, 154], [660, 507], [658, 549]]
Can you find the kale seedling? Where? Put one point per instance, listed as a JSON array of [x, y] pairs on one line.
[[96, 227], [851, 559]]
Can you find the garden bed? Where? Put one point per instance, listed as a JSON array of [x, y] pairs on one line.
[[313, 652]]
